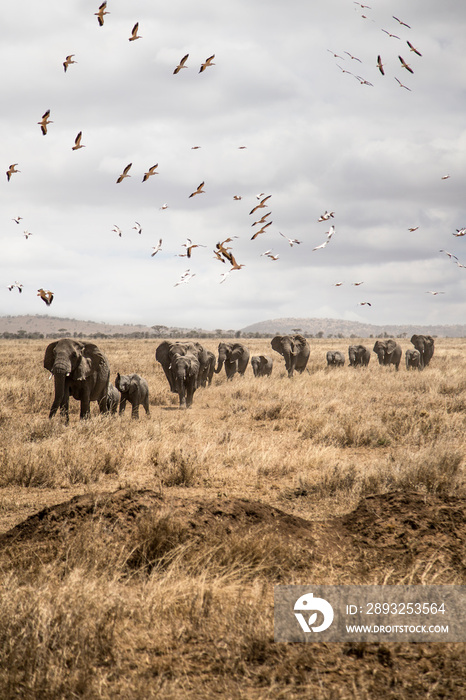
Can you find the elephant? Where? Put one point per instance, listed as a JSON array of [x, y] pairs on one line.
[[295, 349], [359, 355], [234, 356], [335, 358], [113, 398], [134, 389], [262, 365], [413, 359], [80, 370], [389, 352], [425, 345], [167, 351], [208, 370], [185, 375]]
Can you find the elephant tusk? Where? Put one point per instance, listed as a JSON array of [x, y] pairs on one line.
[[51, 376], [67, 374]]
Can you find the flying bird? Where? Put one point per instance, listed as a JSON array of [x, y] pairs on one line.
[[405, 65], [460, 232], [117, 229], [435, 293], [260, 195], [240, 148], [330, 232], [164, 206], [181, 64], [44, 121], [450, 255], [380, 65], [363, 81], [394, 36], [189, 245], [291, 241], [401, 84], [337, 284], [336, 55], [138, 227], [100, 14], [150, 172], [262, 230], [26, 234], [185, 277], [262, 219], [403, 23], [272, 257], [198, 191], [413, 228], [261, 205], [77, 142], [134, 33], [322, 245], [357, 284], [354, 58], [11, 171], [18, 286], [445, 177], [237, 197], [17, 219], [326, 215], [194, 148], [156, 248], [46, 295], [124, 173], [411, 48], [68, 61], [207, 63], [364, 303]]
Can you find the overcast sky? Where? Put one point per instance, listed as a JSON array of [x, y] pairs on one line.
[[317, 139]]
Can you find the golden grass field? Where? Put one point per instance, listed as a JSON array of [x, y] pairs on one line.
[[157, 580]]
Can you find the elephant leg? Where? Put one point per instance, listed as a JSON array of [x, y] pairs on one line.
[[135, 411], [230, 369], [190, 389], [122, 405], [146, 406], [85, 404]]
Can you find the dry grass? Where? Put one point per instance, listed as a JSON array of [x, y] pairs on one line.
[[154, 612]]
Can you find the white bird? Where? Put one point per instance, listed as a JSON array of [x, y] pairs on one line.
[[189, 245], [26, 234], [44, 121], [224, 275], [77, 142], [164, 206], [260, 195], [401, 85], [267, 252], [124, 173], [117, 229], [435, 293], [364, 303], [335, 55], [403, 23], [199, 190], [411, 48], [445, 177], [156, 248], [68, 61], [326, 215], [185, 277], [380, 65], [291, 241], [150, 172], [450, 255], [11, 171], [207, 63], [394, 36], [405, 65], [17, 219], [134, 33], [181, 64], [353, 57], [322, 245], [460, 232], [138, 227], [18, 286], [330, 232]]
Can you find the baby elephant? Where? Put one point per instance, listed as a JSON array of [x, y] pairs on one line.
[[134, 389], [335, 358], [113, 398], [413, 359], [262, 365]]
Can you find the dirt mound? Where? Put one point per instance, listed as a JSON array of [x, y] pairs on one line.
[[409, 525]]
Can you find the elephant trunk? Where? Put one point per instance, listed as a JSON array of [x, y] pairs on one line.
[[59, 378], [219, 366]]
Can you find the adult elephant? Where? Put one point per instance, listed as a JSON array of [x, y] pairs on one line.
[[234, 356], [335, 358], [425, 345], [167, 351], [205, 378], [413, 359], [185, 375], [80, 370], [389, 352], [359, 355], [295, 349], [262, 365]]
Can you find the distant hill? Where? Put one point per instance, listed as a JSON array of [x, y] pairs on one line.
[[52, 326], [312, 326]]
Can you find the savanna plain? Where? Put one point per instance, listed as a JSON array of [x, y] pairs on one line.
[[138, 558]]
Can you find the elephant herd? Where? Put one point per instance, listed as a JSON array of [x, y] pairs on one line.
[[82, 371], [388, 352]]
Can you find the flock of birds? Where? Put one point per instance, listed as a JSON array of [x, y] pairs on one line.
[[222, 252]]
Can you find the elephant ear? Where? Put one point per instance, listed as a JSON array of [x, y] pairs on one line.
[[300, 341], [414, 339], [276, 343], [391, 345], [193, 366], [92, 360], [49, 357]]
